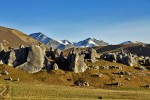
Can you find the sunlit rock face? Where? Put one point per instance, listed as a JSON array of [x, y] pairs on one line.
[[35, 60]]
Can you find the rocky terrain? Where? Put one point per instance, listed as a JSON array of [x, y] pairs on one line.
[[107, 67]]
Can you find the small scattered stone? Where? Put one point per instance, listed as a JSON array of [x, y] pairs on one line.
[[55, 67], [147, 86], [5, 72], [97, 75], [81, 83], [141, 68], [121, 76], [10, 79], [118, 84], [129, 79]]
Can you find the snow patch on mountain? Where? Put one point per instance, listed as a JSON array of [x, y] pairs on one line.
[[129, 42], [90, 42], [65, 44]]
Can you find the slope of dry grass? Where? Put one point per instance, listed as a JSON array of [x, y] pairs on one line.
[[14, 38]]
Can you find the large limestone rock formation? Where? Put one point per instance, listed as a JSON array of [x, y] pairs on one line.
[[132, 60], [35, 60], [92, 54], [76, 61], [128, 59]]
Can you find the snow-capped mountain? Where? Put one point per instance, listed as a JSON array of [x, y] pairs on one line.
[[62, 44], [41, 37], [65, 44], [90, 42], [129, 42]]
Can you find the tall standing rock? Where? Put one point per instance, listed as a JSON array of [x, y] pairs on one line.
[[2, 53], [92, 54], [35, 60], [76, 61], [57, 53], [12, 58], [133, 61]]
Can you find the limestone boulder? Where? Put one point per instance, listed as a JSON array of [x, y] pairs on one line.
[[12, 58], [92, 54], [35, 60], [55, 66], [76, 61], [57, 53]]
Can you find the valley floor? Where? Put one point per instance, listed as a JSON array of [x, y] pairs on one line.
[[26, 91]]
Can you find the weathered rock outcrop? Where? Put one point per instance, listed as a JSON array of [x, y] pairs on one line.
[[121, 57], [12, 58], [76, 61], [92, 54], [57, 53], [35, 60]]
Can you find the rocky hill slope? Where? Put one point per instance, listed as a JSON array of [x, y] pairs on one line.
[[14, 38]]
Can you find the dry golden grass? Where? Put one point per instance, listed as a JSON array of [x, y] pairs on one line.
[[14, 38], [49, 92], [59, 84]]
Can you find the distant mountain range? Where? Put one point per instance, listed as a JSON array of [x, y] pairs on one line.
[[64, 44], [130, 42], [14, 38]]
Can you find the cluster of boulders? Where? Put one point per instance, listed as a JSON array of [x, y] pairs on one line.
[[144, 60], [105, 67], [81, 82], [123, 73], [122, 57], [38, 57]]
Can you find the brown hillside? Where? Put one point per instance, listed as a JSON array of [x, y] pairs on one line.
[[136, 48], [14, 38]]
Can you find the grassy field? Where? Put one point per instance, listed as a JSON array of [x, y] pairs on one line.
[[55, 84], [26, 91]]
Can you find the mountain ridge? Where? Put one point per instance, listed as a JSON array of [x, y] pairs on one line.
[[65, 44]]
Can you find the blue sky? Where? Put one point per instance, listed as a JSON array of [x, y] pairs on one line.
[[113, 21]]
